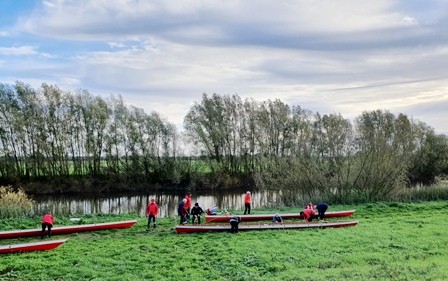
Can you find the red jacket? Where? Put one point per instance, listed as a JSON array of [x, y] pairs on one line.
[[247, 199], [48, 219], [307, 213], [310, 206], [188, 203], [152, 209]]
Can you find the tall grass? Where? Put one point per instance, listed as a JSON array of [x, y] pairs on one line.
[[14, 203]]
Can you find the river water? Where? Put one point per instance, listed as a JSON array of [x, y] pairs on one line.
[[136, 203]]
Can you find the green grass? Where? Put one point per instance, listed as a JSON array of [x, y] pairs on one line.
[[393, 241]]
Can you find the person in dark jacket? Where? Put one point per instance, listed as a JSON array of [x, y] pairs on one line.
[[234, 222], [196, 212], [321, 209], [182, 211], [277, 218], [47, 222]]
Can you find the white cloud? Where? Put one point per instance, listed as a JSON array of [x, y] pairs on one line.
[[329, 56], [18, 51]]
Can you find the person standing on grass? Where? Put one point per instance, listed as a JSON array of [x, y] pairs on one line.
[[188, 205], [47, 222], [310, 205], [196, 212], [247, 202], [151, 212], [234, 222], [321, 209], [182, 211], [308, 215]]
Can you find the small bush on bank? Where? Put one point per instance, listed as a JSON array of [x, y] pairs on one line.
[[14, 203]]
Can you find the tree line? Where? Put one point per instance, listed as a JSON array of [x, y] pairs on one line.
[[57, 141]]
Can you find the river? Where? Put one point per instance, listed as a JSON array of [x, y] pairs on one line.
[[136, 203]]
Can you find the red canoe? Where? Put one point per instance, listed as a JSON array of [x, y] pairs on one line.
[[260, 217], [66, 229], [27, 247], [246, 227]]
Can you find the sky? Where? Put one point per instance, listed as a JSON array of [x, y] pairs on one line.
[[328, 56]]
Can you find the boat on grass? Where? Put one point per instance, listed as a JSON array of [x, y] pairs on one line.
[[260, 217], [66, 229], [28, 247], [261, 226]]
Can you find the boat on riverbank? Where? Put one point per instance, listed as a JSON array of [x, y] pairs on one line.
[[261, 226], [66, 229], [28, 247], [260, 217]]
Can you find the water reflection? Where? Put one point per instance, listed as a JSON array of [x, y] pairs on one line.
[[121, 204]]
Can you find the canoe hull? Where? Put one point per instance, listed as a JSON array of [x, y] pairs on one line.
[[259, 217], [248, 227], [28, 247], [66, 229]]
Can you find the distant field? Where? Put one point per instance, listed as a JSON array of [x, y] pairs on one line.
[[393, 241]]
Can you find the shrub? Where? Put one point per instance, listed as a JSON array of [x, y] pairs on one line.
[[14, 203]]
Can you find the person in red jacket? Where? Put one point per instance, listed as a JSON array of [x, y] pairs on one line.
[[310, 205], [308, 215], [151, 212], [247, 201], [47, 222], [188, 205]]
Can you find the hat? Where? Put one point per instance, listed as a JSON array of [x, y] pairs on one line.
[[196, 204], [184, 200], [248, 192], [153, 200]]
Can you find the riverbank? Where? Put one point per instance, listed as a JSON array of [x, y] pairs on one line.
[[401, 241]]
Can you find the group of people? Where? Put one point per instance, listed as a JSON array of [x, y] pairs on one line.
[[309, 211], [186, 212]]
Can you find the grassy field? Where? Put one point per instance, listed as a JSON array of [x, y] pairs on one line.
[[393, 241]]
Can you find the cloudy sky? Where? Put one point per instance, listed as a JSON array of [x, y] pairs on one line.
[[330, 56]]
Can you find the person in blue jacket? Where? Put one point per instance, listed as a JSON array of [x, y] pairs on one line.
[[234, 222], [321, 209], [277, 218]]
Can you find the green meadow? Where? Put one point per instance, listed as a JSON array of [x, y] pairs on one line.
[[393, 241]]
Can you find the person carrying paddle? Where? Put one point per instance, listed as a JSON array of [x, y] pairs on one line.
[[196, 212], [47, 222], [234, 222], [308, 215], [247, 201], [151, 212], [321, 209], [182, 211]]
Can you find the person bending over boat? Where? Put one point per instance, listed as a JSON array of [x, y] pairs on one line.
[[196, 212], [321, 209], [277, 218], [247, 201], [182, 211], [47, 222], [151, 212], [234, 222], [308, 215]]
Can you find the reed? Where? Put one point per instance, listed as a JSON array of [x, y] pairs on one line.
[[14, 203]]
